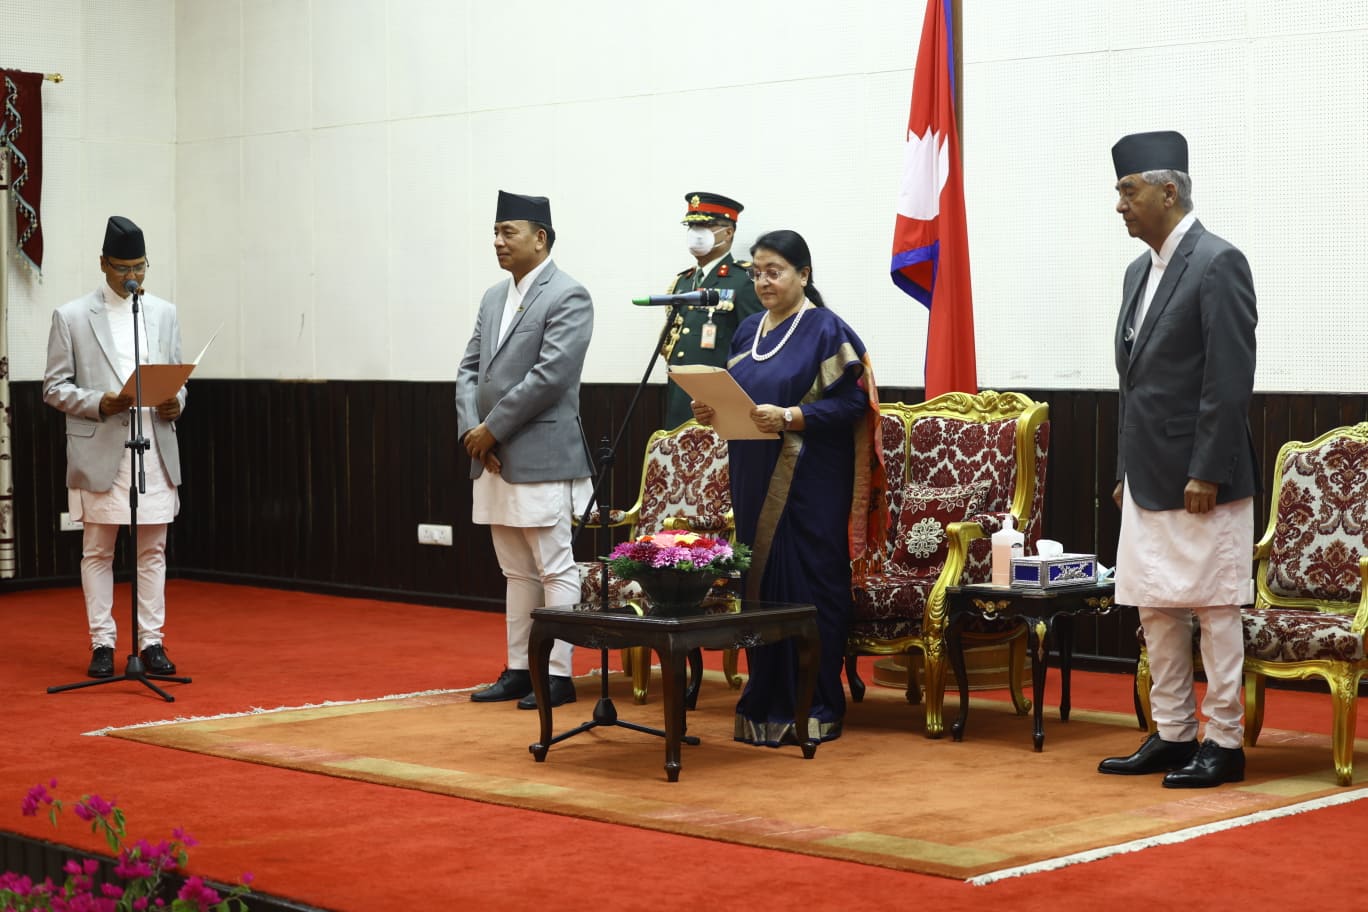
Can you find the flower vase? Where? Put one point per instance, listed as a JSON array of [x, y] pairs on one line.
[[675, 592]]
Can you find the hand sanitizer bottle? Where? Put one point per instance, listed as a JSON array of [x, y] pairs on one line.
[[1007, 544]]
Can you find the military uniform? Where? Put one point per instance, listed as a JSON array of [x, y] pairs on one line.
[[702, 335]]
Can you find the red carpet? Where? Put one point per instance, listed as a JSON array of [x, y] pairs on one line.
[[356, 846]]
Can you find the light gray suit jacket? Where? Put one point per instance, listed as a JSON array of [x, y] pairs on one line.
[[526, 390], [1188, 377], [81, 368]]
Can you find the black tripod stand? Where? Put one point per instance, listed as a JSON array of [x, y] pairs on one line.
[[605, 713], [137, 446]]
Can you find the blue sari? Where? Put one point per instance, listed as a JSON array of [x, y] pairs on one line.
[[792, 501]]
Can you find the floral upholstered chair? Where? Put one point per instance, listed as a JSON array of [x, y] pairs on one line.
[[956, 465], [1310, 608], [685, 484]]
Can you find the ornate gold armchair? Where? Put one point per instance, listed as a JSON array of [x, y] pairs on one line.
[[685, 484], [956, 466], [1311, 584]]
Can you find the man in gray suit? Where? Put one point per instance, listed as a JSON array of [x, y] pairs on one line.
[[517, 414], [1186, 468], [89, 356]]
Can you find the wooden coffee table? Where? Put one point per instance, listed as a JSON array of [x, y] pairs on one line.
[[1043, 612], [725, 624]]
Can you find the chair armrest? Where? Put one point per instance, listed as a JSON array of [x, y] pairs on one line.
[[1263, 548], [615, 518], [1360, 623], [721, 525]]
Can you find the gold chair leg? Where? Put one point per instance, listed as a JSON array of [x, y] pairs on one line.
[[1343, 697], [1254, 707], [1143, 683], [934, 666], [641, 672], [729, 668]]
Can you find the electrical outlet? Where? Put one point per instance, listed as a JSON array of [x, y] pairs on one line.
[[432, 534], [66, 524]]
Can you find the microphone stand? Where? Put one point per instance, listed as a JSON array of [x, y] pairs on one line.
[[605, 713], [137, 446]]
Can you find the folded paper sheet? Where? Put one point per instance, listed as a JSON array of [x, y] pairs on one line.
[[161, 382], [729, 401]]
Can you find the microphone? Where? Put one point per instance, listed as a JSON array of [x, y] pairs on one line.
[[132, 287], [704, 297]]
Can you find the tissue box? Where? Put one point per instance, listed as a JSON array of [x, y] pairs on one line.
[[1052, 572]]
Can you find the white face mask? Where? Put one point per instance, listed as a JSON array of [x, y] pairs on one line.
[[701, 240]]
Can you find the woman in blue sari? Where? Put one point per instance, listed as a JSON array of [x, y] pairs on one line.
[[793, 495]]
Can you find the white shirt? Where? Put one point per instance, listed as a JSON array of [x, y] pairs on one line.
[[513, 303], [1158, 263]]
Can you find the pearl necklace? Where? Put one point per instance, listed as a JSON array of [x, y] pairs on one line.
[[755, 343]]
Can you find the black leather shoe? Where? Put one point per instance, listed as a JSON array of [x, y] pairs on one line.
[[1212, 766], [1154, 756], [513, 684], [562, 691], [101, 662], [155, 660]]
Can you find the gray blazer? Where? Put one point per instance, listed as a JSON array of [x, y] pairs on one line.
[[526, 390], [1188, 377], [81, 369]]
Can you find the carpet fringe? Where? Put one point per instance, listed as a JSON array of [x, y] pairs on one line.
[[1177, 836], [260, 711]]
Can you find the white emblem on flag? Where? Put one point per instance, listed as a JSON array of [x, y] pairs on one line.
[[926, 164]]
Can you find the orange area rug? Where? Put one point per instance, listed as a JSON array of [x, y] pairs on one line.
[[882, 794]]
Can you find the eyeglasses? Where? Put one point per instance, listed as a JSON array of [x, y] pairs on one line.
[[773, 273], [135, 269]]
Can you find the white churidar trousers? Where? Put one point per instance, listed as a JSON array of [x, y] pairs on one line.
[[540, 569], [97, 582]]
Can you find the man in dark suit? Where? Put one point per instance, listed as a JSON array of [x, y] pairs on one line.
[[517, 414], [1186, 469], [702, 335]]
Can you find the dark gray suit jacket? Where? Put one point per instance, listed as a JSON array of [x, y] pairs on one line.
[[1188, 377], [526, 390]]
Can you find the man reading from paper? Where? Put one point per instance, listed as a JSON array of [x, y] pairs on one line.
[[89, 357]]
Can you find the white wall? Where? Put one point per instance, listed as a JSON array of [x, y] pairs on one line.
[[320, 175], [109, 135]]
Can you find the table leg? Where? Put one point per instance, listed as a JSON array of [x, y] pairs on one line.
[[1061, 626], [954, 644], [809, 656], [695, 678], [1035, 641], [672, 670], [539, 662]]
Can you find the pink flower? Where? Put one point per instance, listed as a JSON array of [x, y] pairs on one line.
[[195, 891]]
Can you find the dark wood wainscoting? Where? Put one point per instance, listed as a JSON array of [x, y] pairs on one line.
[[322, 485]]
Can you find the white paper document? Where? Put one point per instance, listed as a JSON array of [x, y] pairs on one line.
[[716, 387], [161, 382]]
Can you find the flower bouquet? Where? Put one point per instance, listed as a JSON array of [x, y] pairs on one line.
[[677, 569]]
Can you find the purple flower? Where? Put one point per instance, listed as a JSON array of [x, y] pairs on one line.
[[36, 797], [184, 838]]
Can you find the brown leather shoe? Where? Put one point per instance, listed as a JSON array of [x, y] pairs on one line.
[[513, 684], [1154, 756], [1213, 766]]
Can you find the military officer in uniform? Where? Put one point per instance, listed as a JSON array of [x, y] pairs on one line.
[[702, 335]]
